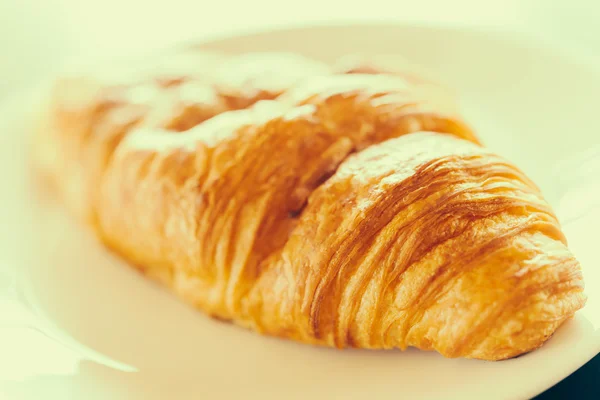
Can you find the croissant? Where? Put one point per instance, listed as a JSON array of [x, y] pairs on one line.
[[332, 205]]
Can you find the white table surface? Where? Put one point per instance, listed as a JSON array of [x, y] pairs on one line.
[[36, 36]]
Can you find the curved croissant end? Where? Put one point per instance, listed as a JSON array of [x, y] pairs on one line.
[[426, 241]]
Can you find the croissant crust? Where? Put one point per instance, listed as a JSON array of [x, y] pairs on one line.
[[335, 205]]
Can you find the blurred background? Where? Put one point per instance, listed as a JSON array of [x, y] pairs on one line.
[[38, 35]]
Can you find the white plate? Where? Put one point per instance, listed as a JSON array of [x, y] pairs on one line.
[[527, 102]]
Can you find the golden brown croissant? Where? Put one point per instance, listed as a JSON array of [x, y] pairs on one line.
[[339, 207]]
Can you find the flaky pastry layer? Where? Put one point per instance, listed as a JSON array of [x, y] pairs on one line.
[[333, 205]]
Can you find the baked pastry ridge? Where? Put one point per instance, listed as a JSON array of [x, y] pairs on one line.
[[346, 210]]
